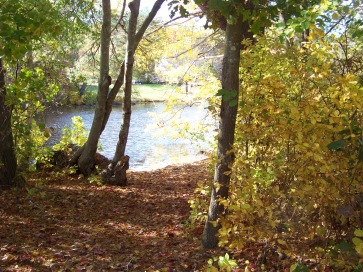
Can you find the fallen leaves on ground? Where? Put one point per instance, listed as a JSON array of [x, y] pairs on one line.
[[63, 222], [68, 224]]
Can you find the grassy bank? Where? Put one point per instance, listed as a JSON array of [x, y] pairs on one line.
[[150, 92], [140, 93]]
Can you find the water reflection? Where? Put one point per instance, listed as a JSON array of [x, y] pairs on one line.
[[146, 151]]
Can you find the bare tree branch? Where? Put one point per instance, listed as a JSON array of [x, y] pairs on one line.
[[121, 17]]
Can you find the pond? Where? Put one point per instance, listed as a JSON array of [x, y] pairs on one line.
[[146, 150]]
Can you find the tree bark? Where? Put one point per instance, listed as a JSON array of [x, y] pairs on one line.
[[133, 40], [86, 159], [8, 162], [130, 52], [230, 81], [85, 155]]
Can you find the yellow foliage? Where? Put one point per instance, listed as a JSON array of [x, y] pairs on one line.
[[294, 106], [299, 148]]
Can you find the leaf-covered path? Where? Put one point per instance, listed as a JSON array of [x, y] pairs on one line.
[[68, 224]]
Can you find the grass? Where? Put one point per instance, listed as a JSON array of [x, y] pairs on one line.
[[150, 92], [143, 92]]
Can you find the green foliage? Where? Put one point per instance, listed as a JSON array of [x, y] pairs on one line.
[[322, 15], [176, 8], [28, 25], [188, 226], [28, 94], [224, 264], [72, 138], [36, 43], [36, 191], [22, 23], [95, 179], [73, 170], [298, 267], [230, 96], [89, 97], [343, 254], [357, 241], [76, 135]]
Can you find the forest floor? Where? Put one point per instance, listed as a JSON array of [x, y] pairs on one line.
[[64, 223]]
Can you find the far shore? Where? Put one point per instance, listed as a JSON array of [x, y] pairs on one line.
[[141, 94]]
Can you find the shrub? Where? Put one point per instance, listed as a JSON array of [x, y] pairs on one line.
[[299, 150]]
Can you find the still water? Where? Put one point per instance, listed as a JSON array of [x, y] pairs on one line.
[[146, 150]]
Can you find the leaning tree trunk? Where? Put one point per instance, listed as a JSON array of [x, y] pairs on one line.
[[121, 77], [86, 159], [130, 52], [133, 40], [85, 155], [8, 162], [230, 82]]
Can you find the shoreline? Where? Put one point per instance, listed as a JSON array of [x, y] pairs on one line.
[[133, 102], [161, 167], [102, 161]]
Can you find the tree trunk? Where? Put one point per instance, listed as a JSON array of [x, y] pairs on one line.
[[86, 159], [85, 155], [120, 80], [133, 40], [130, 52], [8, 162], [230, 81]]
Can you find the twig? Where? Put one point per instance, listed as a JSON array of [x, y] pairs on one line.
[[119, 22], [127, 265]]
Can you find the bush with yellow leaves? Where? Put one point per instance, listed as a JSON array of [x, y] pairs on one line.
[[298, 171]]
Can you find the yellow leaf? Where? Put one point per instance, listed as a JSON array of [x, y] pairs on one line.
[[336, 16]]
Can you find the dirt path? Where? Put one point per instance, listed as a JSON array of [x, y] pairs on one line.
[[69, 225]]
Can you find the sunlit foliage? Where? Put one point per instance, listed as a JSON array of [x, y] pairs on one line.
[[299, 149], [298, 166], [38, 41]]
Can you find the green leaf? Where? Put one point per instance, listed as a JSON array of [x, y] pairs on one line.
[[298, 267], [345, 246], [183, 11], [221, 92], [233, 103], [305, 25], [336, 16], [289, 31], [282, 38], [299, 29], [346, 9], [334, 146], [360, 155], [358, 233], [358, 245], [280, 25]]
